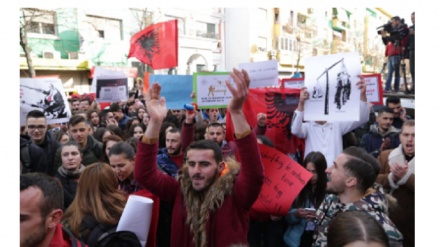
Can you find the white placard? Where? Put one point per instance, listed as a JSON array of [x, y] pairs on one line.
[[262, 74], [112, 89], [331, 83], [211, 90], [46, 95], [101, 72], [136, 217]]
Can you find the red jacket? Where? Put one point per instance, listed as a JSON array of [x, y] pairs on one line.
[[62, 239], [227, 224], [151, 240]]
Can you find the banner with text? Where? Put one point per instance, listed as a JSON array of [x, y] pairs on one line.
[[262, 74], [111, 89], [284, 179], [374, 89]]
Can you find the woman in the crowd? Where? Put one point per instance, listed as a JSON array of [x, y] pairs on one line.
[[113, 130], [70, 170], [62, 137], [145, 120], [121, 160], [98, 201], [356, 228], [140, 113], [94, 118], [108, 142], [300, 225], [136, 130]]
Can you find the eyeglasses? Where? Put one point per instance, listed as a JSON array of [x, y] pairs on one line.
[[39, 127]]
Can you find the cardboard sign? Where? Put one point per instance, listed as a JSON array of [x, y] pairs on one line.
[[262, 74], [46, 95], [176, 89], [374, 89], [284, 179], [210, 89]]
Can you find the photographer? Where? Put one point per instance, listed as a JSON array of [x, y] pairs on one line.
[[395, 49]]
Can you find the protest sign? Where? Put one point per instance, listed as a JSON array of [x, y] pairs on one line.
[[46, 95], [100, 72], [175, 88], [210, 89], [331, 83], [374, 89], [111, 89], [262, 74], [297, 83], [284, 179]]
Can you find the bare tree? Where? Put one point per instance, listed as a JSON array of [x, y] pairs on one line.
[[25, 22]]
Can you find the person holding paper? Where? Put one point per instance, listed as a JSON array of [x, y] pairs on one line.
[[211, 207], [121, 159], [322, 136]]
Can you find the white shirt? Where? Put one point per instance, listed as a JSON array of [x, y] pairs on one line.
[[326, 138]]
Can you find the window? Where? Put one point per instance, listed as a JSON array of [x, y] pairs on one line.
[[206, 30], [40, 21], [105, 28]]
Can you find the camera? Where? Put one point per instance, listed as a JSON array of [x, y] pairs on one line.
[[396, 33]]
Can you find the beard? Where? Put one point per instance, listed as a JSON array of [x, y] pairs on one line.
[[173, 152], [36, 237]]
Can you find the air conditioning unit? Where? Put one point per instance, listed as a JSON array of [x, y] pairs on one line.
[[73, 55], [48, 54]]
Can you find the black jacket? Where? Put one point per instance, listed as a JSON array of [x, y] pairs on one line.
[[36, 161]]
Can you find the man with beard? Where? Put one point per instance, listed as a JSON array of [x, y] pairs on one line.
[[205, 198], [382, 135], [41, 208], [217, 133], [350, 182], [397, 175]]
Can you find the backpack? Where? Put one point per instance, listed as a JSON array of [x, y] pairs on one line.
[[106, 236], [25, 159], [74, 240]]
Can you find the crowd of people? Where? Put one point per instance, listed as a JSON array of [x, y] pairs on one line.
[[76, 177]]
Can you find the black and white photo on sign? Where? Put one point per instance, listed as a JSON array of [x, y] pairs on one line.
[[46, 95], [111, 89], [331, 83]]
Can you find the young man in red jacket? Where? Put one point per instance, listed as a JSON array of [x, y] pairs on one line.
[[41, 209], [211, 203]]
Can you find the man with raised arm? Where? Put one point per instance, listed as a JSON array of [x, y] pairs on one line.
[[211, 202]]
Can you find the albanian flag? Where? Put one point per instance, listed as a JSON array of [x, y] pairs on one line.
[[278, 104], [156, 45]]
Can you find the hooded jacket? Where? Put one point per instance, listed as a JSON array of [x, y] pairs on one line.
[[374, 203], [219, 219], [372, 141]]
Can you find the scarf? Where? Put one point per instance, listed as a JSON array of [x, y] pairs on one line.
[[71, 174]]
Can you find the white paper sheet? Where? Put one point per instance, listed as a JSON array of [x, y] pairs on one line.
[[136, 217]]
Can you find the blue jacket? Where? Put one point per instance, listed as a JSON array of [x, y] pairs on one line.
[[295, 226], [372, 141], [166, 164]]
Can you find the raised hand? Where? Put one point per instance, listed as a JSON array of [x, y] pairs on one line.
[[363, 87], [156, 105], [240, 91]]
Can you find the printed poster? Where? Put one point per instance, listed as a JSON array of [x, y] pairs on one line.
[[210, 89], [44, 94], [111, 89], [374, 89], [331, 83]]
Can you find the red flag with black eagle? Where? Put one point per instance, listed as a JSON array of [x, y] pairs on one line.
[[278, 104], [156, 45]]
